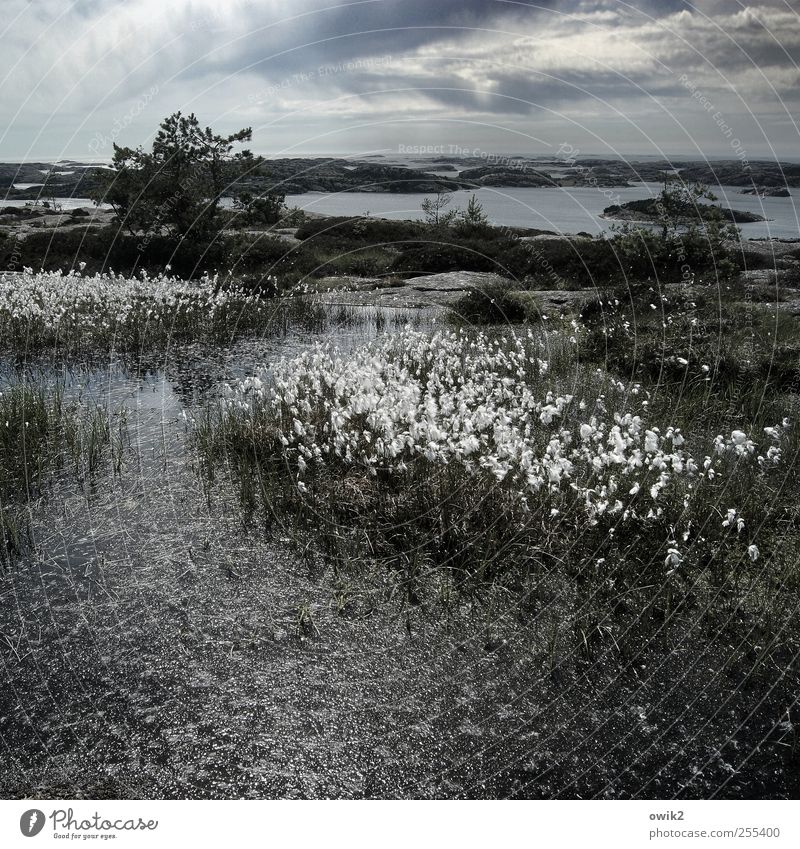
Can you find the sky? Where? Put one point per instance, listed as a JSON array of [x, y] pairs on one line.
[[713, 78]]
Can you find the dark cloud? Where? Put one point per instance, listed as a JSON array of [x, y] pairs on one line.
[[317, 34], [503, 62]]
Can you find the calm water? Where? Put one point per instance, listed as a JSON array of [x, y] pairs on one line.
[[571, 210], [562, 210], [157, 393]]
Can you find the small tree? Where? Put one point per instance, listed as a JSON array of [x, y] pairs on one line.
[[691, 235], [473, 220], [177, 186], [258, 211], [434, 210]]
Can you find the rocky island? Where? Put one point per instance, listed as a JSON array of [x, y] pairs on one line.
[[767, 191], [648, 211]]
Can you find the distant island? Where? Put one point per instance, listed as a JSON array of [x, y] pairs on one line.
[[767, 191], [648, 210], [424, 175]]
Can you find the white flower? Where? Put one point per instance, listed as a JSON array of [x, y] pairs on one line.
[[738, 437], [753, 552], [728, 520]]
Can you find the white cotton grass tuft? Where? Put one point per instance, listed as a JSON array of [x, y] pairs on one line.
[[493, 411], [71, 305]]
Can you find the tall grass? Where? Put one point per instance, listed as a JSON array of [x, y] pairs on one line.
[[40, 434], [463, 462], [72, 314]]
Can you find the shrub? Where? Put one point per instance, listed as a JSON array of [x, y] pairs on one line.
[[493, 304], [360, 230]]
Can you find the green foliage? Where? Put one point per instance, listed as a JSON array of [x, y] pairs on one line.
[[359, 230], [103, 249], [175, 189], [690, 237], [258, 211], [715, 347], [454, 254], [494, 304], [472, 221], [362, 262]]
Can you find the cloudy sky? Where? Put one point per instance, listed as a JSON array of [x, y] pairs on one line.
[[713, 77]]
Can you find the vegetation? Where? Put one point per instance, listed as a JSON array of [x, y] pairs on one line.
[[690, 236], [570, 507], [436, 212], [259, 211], [495, 304], [464, 463], [176, 188], [40, 433], [76, 313]]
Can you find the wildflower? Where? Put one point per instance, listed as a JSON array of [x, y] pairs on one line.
[[738, 437], [672, 560], [753, 552], [726, 522]]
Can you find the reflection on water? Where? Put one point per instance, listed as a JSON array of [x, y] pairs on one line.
[[156, 396]]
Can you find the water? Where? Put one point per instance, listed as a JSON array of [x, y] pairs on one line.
[[64, 203], [151, 646], [148, 619], [569, 210]]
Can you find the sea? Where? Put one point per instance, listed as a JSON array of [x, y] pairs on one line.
[[561, 210]]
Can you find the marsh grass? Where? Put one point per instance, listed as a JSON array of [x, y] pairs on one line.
[[447, 530], [41, 434], [72, 316]]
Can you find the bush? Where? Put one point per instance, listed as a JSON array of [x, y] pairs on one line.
[[493, 304], [360, 230], [437, 257], [364, 262], [109, 249]]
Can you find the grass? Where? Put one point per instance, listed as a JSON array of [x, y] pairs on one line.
[[40, 434], [556, 598], [542, 506], [73, 314], [697, 341], [495, 304]]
